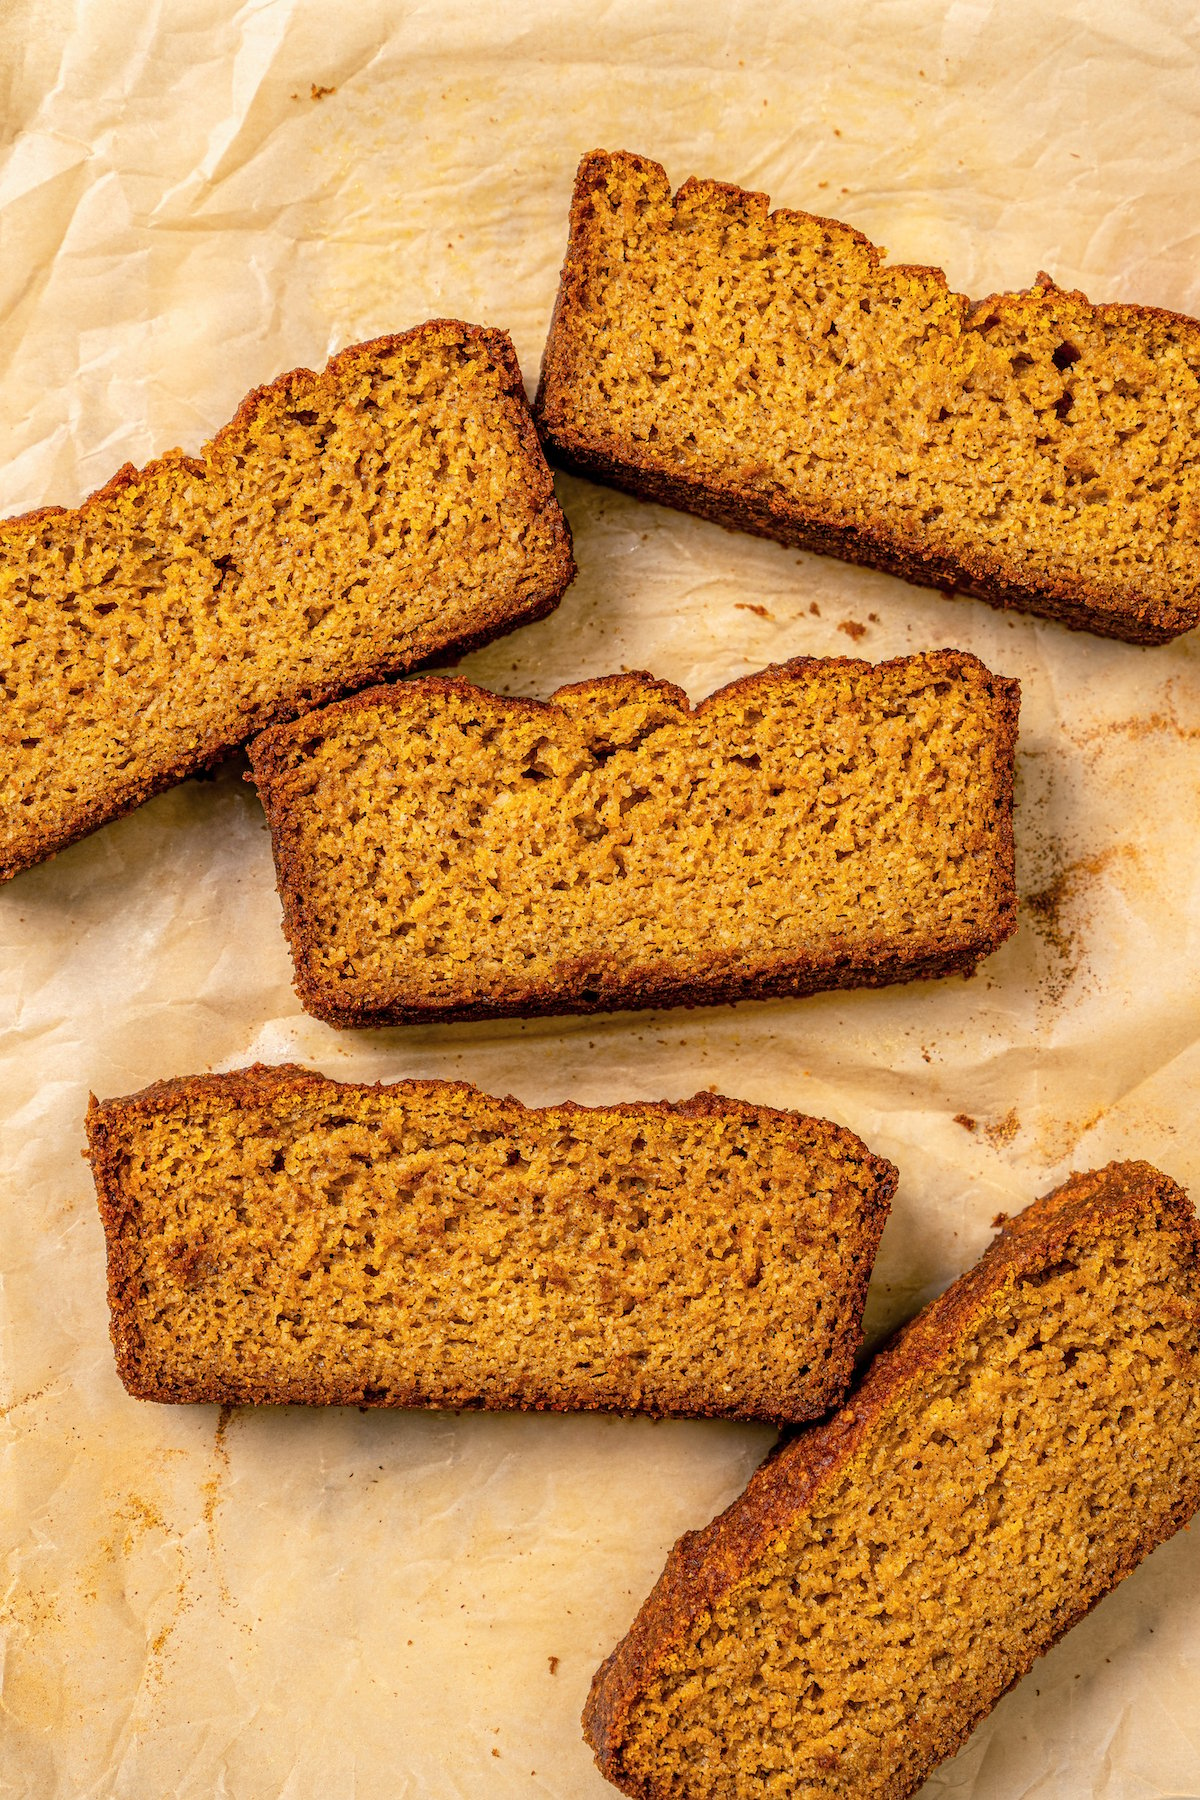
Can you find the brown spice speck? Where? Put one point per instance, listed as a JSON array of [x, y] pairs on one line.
[[211, 1490], [28, 1399], [965, 1120], [553, 1665], [1048, 907], [1002, 1131], [211, 1487], [853, 629], [749, 606], [319, 93], [1164, 722]]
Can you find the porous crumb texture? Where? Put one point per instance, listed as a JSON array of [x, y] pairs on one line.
[[886, 1577], [344, 527], [446, 853], [275, 1236], [764, 369]]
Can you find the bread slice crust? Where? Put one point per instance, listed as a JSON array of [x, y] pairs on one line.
[[38, 828], [606, 978], [706, 1568], [236, 1139], [1079, 591]]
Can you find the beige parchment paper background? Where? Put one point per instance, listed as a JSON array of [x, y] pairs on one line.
[[195, 196]]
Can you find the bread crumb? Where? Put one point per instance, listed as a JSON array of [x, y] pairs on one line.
[[965, 1120]]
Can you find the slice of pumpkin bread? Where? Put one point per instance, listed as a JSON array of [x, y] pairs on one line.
[[445, 853], [766, 370], [887, 1576], [344, 527], [274, 1236]]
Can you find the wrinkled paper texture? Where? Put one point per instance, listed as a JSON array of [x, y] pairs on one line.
[[197, 196]]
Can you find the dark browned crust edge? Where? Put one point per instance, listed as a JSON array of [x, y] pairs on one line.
[[1080, 605], [705, 1565], [428, 645], [584, 988], [107, 1127]]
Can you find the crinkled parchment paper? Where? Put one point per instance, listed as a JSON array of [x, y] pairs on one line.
[[196, 196]]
